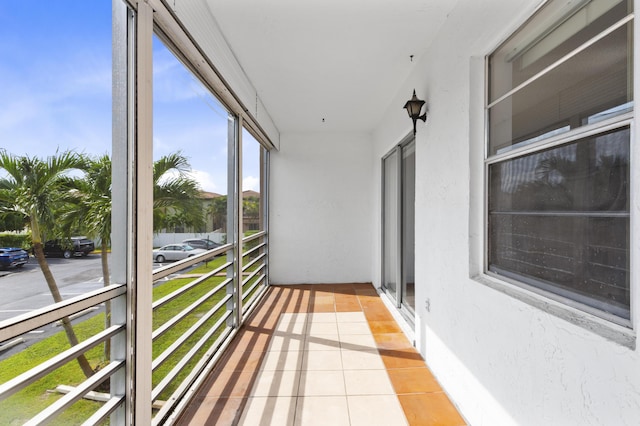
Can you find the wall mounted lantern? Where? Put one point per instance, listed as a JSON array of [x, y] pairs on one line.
[[413, 107]]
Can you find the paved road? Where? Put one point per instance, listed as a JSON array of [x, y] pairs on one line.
[[23, 290]]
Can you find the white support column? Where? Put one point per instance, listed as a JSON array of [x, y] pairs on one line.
[[143, 218], [264, 192], [238, 217], [123, 70]]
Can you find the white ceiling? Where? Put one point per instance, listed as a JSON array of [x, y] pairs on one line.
[[341, 60]]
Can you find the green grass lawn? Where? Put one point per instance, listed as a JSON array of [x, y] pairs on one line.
[[22, 406]]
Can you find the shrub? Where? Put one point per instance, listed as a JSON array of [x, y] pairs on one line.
[[10, 239]]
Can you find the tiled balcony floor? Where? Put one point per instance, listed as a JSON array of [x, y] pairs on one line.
[[321, 355]]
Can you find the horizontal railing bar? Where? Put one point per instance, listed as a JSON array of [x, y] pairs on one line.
[[562, 213], [186, 335], [254, 236], [25, 379], [184, 394], [193, 380], [186, 311], [173, 295], [24, 323], [254, 261], [46, 415], [104, 412], [248, 292], [166, 381], [253, 274], [256, 248], [167, 270], [252, 303]]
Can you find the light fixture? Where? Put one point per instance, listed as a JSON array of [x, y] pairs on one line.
[[413, 107]]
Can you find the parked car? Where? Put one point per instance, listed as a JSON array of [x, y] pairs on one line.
[[202, 243], [13, 257], [175, 252], [75, 246]]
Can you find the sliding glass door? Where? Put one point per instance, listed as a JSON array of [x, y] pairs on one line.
[[398, 226]]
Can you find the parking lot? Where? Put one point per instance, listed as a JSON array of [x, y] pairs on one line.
[[25, 289]]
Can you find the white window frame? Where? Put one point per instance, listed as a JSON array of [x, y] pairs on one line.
[[613, 328]]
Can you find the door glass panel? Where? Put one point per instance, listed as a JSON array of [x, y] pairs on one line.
[[390, 224], [408, 225]]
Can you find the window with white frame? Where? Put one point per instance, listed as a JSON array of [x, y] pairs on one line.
[[560, 105]]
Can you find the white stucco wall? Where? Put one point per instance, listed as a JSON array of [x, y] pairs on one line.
[[321, 209], [502, 361]]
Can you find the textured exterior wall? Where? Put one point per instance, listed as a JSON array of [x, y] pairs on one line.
[[502, 361], [321, 209]]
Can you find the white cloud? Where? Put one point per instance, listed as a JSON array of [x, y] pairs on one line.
[[206, 181], [251, 183]]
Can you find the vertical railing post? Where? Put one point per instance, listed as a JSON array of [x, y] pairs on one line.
[[234, 218], [264, 208], [123, 48], [238, 219], [143, 218]]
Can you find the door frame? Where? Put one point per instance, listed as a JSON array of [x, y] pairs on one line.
[[397, 300]]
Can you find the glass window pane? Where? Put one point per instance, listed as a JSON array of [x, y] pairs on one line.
[[559, 28], [559, 220], [190, 177], [252, 172], [252, 217], [595, 83], [55, 192], [190, 133]]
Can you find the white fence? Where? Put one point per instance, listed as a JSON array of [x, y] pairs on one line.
[[164, 238]]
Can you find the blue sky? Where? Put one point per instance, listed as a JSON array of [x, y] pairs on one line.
[[55, 92]]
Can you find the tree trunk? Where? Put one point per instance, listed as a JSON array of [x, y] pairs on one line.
[[107, 304], [66, 324]]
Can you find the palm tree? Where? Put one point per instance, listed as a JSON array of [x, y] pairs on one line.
[[91, 212], [217, 211], [175, 193], [37, 190]]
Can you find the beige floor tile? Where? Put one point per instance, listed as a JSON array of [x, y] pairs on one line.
[[282, 360], [326, 342], [346, 381], [353, 328], [268, 411], [361, 360], [321, 383], [319, 328], [358, 342], [375, 410], [351, 317], [286, 342], [322, 411], [368, 382], [293, 316], [293, 326], [322, 317], [276, 383], [322, 360], [213, 411]]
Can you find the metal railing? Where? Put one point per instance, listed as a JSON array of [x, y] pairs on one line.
[[203, 323], [193, 312], [15, 327]]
